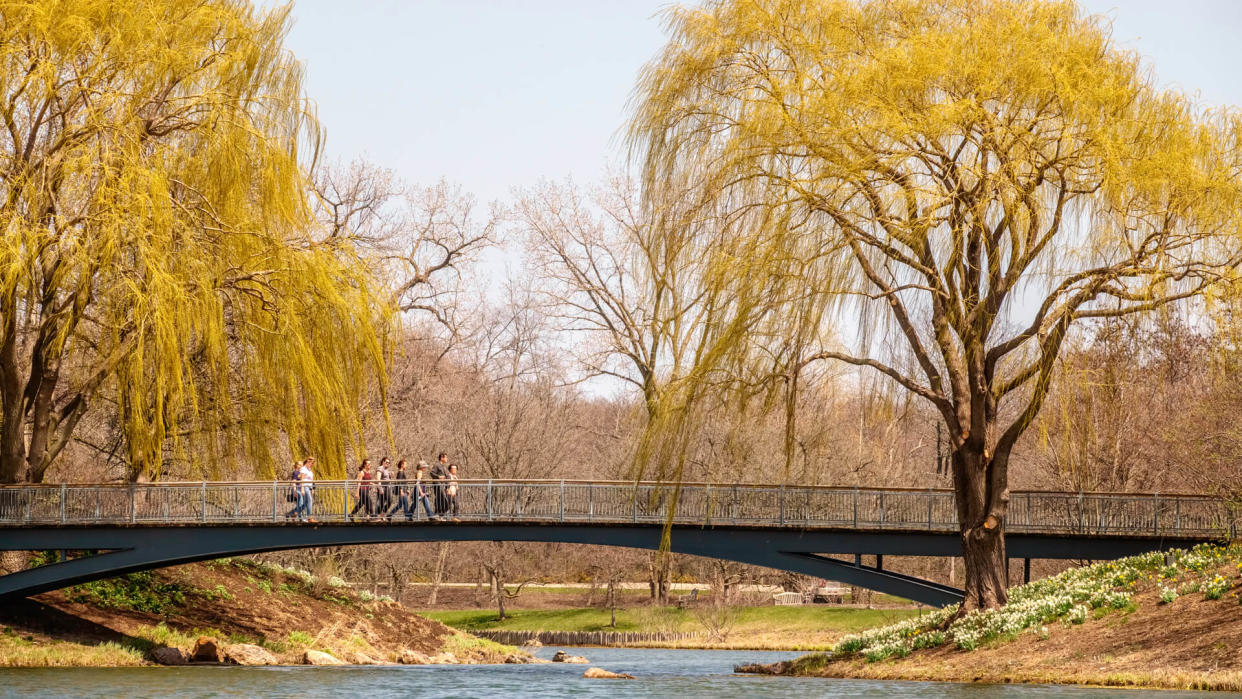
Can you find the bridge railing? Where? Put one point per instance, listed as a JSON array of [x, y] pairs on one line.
[[1099, 514]]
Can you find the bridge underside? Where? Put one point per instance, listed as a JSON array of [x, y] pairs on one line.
[[135, 548]]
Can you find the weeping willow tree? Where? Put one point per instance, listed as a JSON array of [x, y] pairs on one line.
[[158, 257], [982, 175]]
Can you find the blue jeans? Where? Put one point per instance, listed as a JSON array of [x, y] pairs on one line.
[[422, 497], [304, 499], [403, 505]]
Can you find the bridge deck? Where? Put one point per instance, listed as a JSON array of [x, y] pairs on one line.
[[793, 507]]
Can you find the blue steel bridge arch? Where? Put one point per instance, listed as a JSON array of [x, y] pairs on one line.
[[137, 547]]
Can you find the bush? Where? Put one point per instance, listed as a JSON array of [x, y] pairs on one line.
[[300, 638], [139, 592]]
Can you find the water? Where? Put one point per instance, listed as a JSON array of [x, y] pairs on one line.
[[684, 674]]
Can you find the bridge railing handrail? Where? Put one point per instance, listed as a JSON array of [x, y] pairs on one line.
[[517, 500], [628, 483]]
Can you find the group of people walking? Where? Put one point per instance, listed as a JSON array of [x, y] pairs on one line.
[[383, 493]]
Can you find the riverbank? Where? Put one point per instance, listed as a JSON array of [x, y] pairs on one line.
[[285, 613], [1168, 621], [799, 628]]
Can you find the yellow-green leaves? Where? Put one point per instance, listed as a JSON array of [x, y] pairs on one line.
[[158, 251]]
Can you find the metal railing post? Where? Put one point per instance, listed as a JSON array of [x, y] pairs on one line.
[[489, 500], [591, 503], [62, 503], [855, 507], [1082, 514], [1177, 516], [635, 504], [133, 504], [707, 504], [345, 500], [273, 499], [782, 504], [562, 500], [203, 502], [1155, 514], [929, 508]]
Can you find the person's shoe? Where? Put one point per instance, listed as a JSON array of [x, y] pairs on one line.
[[456, 520], [311, 520]]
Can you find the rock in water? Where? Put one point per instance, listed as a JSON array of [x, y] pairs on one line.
[[595, 673], [167, 655], [248, 654], [563, 657], [206, 650], [532, 643], [315, 657], [360, 658], [413, 657]]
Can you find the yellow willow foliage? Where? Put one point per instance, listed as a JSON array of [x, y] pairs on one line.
[[157, 251], [967, 177]]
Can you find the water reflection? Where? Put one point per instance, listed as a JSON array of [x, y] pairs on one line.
[[661, 673]]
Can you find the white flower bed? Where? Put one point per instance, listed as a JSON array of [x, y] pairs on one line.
[[1068, 597]]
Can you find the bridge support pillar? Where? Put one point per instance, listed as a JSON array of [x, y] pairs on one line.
[[879, 561], [1026, 570]]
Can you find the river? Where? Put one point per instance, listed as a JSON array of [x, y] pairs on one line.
[[684, 674]]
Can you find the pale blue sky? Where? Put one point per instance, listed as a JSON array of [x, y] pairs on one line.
[[493, 94]]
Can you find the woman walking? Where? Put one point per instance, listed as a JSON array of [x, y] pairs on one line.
[[365, 497], [384, 478]]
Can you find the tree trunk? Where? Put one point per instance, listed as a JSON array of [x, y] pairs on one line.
[[612, 602], [12, 436], [496, 580], [657, 577], [983, 551], [438, 576], [982, 500]]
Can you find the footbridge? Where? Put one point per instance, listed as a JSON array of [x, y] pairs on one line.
[[818, 531]]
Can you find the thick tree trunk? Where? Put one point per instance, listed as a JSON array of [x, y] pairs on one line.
[[983, 550], [657, 577], [982, 501], [12, 437]]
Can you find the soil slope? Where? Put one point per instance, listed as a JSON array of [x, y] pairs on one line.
[[1189, 642], [235, 601]]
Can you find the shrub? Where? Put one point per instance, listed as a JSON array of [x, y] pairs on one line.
[[300, 638], [1167, 594], [140, 592]]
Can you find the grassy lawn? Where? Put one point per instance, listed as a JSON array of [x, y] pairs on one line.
[[808, 622]]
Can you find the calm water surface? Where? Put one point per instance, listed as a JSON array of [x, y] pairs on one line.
[[684, 674]]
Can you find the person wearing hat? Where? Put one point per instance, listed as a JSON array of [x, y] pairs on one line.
[[420, 491]]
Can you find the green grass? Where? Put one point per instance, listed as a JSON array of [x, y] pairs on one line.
[[768, 619]]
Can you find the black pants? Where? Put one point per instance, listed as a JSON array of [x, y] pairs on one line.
[[365, 502]]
